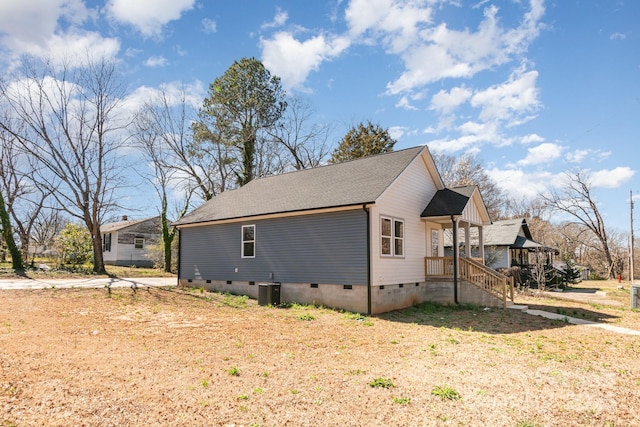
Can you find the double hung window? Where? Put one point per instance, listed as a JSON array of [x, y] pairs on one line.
[[248, 241], [392, 237]]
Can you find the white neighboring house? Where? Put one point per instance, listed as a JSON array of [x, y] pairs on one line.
[[126, 242]]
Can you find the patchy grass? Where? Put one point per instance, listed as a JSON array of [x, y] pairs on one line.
[[180, 357]]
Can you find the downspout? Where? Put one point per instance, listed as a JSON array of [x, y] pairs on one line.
[[179, 260], [456, 254], [366, 210]]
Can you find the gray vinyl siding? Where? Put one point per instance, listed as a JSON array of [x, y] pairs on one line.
[[328, 248]]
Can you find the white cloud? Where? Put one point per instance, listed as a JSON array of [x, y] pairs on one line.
[[71, 49], [613, 178], [32, 22], [543, 153], [131, 52], [293, 60], [396, 132], [278, 21], [209, 25], [396, 23], [578, 156], [429, 130], [404, 102], [441, 52], [193, 94], [148, 16], [57, 34], [445, 102], [453, 145], [531, 138], [520, 184], [617, 36], [156, 61], [511, 100]]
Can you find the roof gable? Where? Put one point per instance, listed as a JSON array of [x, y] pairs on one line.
[[349, 183], [506, 232]]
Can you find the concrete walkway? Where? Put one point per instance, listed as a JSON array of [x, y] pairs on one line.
[[574, 320], [101, 282]]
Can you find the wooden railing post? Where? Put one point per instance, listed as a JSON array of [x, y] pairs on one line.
[[504, 294]]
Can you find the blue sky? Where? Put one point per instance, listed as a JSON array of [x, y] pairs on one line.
[[533, 88]]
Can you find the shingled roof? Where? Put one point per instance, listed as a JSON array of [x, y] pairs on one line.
[[507, 233], [119, 225], [449, 201], [354, 182]]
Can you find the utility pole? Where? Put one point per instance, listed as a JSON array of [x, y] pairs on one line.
[[631, 266]]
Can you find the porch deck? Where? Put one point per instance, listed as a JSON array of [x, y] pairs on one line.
[[474, 272]]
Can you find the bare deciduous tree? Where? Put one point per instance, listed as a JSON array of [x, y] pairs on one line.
[[24, 198], [162, 132], [576, 200], [303, 143], [46, 227], [466, 170], [70, 132]]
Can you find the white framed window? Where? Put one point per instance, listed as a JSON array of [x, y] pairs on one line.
[[391, 237], [435, 242], [138, 242], [249, 241]]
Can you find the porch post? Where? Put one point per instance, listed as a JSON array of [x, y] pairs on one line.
[[456, 255], [481, 242], [467, 240]]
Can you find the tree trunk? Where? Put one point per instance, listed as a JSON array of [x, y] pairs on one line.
[[7, 233], [167, 239], [98, 257]]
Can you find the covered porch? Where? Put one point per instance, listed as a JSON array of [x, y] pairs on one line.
[[458, 209]]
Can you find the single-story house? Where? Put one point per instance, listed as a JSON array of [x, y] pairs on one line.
[[365, 235], [511, 244], [126, 242], [507, 243]]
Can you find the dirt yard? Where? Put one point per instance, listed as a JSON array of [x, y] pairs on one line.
[[72, 357]]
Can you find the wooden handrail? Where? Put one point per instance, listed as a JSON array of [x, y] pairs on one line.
[[473, 272], [487, 279]]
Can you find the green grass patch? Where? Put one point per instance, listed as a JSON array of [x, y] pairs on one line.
[[445, 393], [381, 383]]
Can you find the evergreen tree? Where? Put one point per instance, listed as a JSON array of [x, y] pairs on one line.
[[570, 273], [245, 101], [362, 141]]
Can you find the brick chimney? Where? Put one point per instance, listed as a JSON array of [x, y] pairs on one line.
[[124, 218]]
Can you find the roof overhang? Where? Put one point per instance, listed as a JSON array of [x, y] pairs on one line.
[[277, 215]]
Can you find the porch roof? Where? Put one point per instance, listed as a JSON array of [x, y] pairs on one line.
[[448, 201]]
